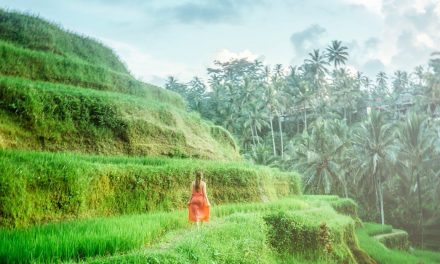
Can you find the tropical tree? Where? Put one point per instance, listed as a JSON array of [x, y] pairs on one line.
[[375, 155], [416, 156], [315, 155], [336, 53], [196, 94], [315, 67], [261, 155]]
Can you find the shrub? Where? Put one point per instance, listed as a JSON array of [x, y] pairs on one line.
[[397, 239], [317, 234]]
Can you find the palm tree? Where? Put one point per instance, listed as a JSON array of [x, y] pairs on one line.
[[271, 103], [279, 82], [316, 156], [381, 90], [261, 155], [315, 67], [257, 119], [337, 53], [382, 83], [374, 147], [416, 154], [304, 98]]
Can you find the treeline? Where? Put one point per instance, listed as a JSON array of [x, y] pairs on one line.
[[373, 140]]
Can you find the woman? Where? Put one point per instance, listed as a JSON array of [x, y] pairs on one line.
[[198, 204]]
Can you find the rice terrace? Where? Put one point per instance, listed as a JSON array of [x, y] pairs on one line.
[[220, 131]]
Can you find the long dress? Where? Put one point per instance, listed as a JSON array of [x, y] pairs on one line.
[[198, 208]]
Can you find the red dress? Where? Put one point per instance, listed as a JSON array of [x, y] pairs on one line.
[[198, 208]]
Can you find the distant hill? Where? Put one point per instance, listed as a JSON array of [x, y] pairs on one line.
[[60, 91]]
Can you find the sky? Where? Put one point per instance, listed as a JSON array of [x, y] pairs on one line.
[[161, 38]]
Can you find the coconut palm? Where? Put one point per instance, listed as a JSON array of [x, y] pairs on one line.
[[315, 67], [375, 149], [315, 155], [337, 53], [261, 155], [416, 155]]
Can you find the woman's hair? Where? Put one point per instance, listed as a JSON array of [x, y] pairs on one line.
[[199, 176]]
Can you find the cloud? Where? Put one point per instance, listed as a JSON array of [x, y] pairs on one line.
[[372, 67], [306, 40], [214, 11], [226, 55], [149, 68], [374, 6], [414, 27]]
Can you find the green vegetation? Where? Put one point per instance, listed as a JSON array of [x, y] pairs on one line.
[[40, 187], [68, 105], [376, 141], [384, 255], [236, 229], [63, 92], [34, 33], [65, 117], [43, 66]]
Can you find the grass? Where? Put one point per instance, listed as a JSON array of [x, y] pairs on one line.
[[133, 238], [64, 117], [33, 32], [242, 241], [64, 92], [235, 230], [43, 66], [40, 187], [384, 255]]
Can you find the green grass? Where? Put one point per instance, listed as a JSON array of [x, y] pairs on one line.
[[102, 236], [64, 117], [40, 187], [35, 33], [384, 255], [235, 230], [43, 66], [79, 239], [64, 92], [242, 241]]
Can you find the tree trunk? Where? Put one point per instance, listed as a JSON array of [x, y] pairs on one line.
[[280, 125], [382, 214], [345, 188], [253, 136], [305, 117], [256, 135], [273, 137], [419, 194]]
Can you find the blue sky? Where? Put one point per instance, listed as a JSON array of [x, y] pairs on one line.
[[158, 38]]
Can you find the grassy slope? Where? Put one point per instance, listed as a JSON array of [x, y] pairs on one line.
[[35, 33], [384, 255], [60, 91], [235, 230], [41, 187]]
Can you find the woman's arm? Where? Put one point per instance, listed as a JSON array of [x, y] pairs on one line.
[[206, 195]]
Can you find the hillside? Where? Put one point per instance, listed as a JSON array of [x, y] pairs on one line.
[[95, 167], [63, 92]]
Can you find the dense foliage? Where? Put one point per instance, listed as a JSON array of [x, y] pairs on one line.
[[375, 141]]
